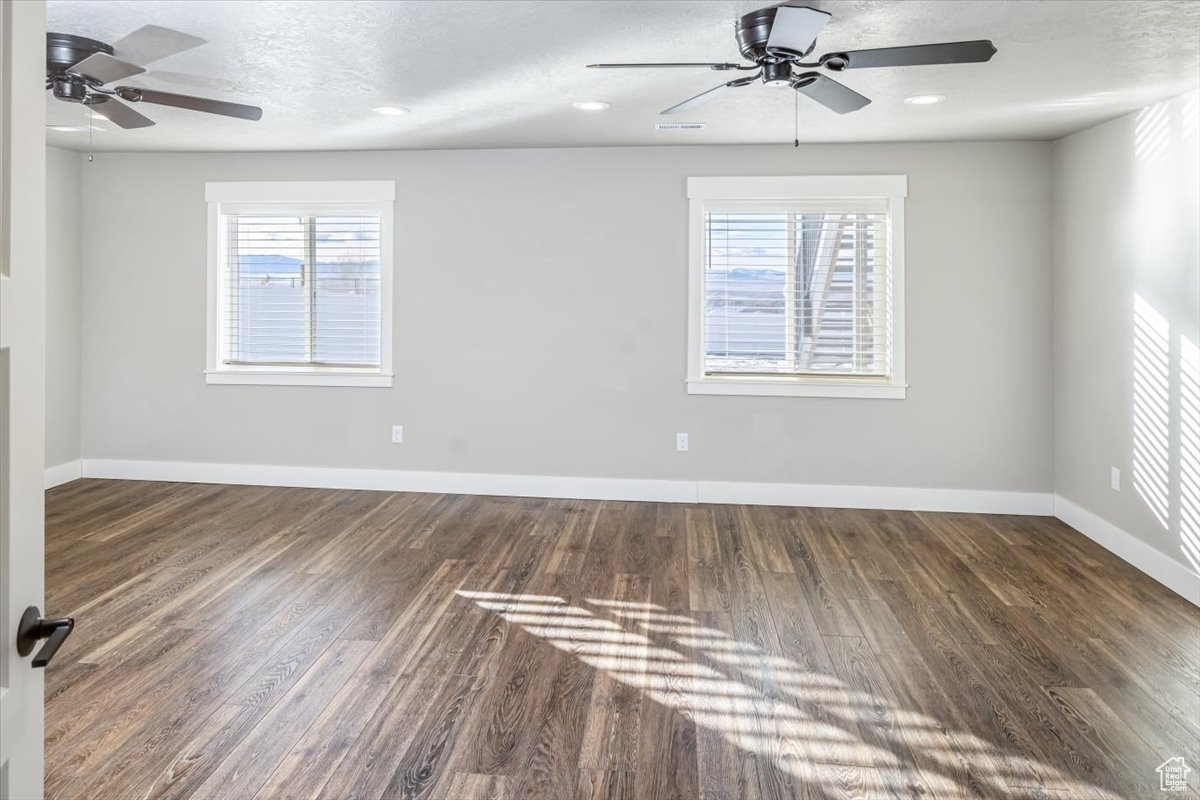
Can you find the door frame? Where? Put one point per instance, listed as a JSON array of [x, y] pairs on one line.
[[22, 386]]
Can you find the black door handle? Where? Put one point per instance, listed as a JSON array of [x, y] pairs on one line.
[[33, 628]]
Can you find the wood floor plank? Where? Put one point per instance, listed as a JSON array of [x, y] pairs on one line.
[[952, 762], [725, 771], [819, 576], [707, 574], [611, 736], [273, 643], [107, 738], [477, 787], [570, 548], [248, 765], [496, 740], [1129, 756], [668, 771], [1048, 731], [1133, 693], [557, 733], [204, 752], [876, 720], [972, 704], [382, 678], [605, 785]]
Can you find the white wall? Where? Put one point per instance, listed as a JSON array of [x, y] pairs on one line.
[[63, 323], [540, 322], [1127, 325]]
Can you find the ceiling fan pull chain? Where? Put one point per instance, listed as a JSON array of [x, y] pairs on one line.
[[796, 104], [87, 113]]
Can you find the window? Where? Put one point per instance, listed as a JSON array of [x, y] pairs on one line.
[[300, 283], [796, 286]]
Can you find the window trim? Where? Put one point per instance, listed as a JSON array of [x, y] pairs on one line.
[[225, 197], [796, 187]]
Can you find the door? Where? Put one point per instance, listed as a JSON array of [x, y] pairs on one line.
[[22, 390]]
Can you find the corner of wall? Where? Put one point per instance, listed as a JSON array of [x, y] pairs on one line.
[[1126, 284]]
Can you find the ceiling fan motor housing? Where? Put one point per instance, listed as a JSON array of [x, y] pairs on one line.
[[777, 74], [64, 50], [753, 30], [71, 90]]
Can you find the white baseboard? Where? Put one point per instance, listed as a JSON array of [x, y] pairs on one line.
[[668, 491], [897, 498], [395, 480], [1174, 575], [63, 473]]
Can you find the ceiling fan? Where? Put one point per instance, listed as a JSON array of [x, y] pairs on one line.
[[777, 39], [79, 70]]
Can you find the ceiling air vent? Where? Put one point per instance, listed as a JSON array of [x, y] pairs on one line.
[[679, 126]]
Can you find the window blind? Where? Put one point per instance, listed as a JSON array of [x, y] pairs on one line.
[[797, 288], [301, 289]]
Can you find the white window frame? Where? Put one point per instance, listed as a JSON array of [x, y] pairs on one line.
[[807, 187], [280, 197]]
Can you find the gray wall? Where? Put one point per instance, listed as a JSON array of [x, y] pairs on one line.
[[540, 322], [62, 305], [1126, 309]]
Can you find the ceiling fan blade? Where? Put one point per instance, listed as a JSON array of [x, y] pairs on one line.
[[704, 97], [913, 56], [152, 42], [829, 93], [716, 66], [208, 106], [103, 68], [795, 29], [120, 114]]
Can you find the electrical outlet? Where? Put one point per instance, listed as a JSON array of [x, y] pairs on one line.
[[681, 442], [397, 434], [1116, 479]]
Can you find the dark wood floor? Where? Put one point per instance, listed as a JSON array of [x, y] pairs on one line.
[[243, 642]]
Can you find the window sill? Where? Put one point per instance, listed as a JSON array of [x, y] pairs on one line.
[[792, 387], [297, 378]]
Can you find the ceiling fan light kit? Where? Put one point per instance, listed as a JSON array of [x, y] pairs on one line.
[[777, 40], [79, 70]]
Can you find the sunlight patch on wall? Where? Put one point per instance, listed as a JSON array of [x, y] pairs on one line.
[[1151, 409], [1189, 109], [1160, 248], [1189, 451], [1151, 136]]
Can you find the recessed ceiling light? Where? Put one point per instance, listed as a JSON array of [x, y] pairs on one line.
[[590, 105], [73, 128], [390, 111], [924, 99]]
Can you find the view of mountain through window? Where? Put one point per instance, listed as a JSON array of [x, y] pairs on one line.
[[796, 292], [303, 290]]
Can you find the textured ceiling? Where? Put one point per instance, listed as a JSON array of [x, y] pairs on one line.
[[504, 74]]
